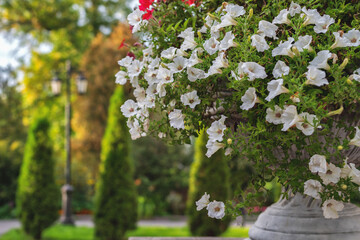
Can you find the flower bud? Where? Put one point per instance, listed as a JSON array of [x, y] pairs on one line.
[[229, 141], [348, 81], [344, 63], [343, 186], [340, 147], [251, 12], [336, 112], [199, 35]]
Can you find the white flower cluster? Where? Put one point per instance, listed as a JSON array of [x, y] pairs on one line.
[[331, 174], [202, 57], [216, 209], [136, 21]]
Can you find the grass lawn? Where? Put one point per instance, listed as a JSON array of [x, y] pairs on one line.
[[59, 232]]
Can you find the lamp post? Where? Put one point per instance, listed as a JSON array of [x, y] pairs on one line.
[[67, 189]]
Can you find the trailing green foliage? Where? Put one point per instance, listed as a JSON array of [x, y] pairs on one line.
[[38, 195], [209, 175], [116, 206]]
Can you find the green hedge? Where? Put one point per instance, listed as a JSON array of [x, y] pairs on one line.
[[209, 175], [116, 200], [38, 196]]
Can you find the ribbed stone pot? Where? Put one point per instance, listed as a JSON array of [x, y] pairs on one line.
[[301, 218]]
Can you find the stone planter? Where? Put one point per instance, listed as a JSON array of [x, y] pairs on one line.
[[301, 218]]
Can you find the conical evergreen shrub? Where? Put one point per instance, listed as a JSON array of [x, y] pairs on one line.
[[116, 200], [38, 197], [209, 175]]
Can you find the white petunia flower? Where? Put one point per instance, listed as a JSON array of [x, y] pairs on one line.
[[253, 70], [219, 62], [316, 77], [134, 80], [346, 170], [129, 108], [135, 17], [282, 17], [303, 43], [307, 127], [340, 41], [190, 99], [151, 76], [356, 140], [135, 68], [214, 30], [160, 89], [178, 64], [320, 61], [186, 33], [280, 69], [194, 59], [227, 42], [216, 130], [121, 77], [194, 74], [289, 117], [354, 174], [139, 94], [226, 20], [126, 61], [331, 208], [259, 42], [267, 29], [274, 116], [149, 101], [294, 9], [169, 53], [181, 53], [275, 88], [213, 147], [165, 75], [354, 37], [284, 48], [239, 72], [176, 119], [134, 129], [202, 202], [312, 16], [312, 188], [189, 43], [318, 164], [234, 10], [322, 25], [211, 45], [249, 99], [332, 174], [216, 209], [155, 62], [356, 75]]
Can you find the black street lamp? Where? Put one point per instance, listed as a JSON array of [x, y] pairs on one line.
[[67, 189]]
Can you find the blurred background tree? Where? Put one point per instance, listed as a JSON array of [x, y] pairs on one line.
[[116, 198], [161, 173], [12, 139], [211, 175], [38, 197]]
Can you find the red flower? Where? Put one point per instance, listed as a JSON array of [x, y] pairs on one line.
[[145, 4], [122, 44], [148, 14], [188, 2], [130, 54]]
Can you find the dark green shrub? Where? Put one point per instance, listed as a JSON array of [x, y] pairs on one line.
[[38, 196], [116, 204], [209, 175]]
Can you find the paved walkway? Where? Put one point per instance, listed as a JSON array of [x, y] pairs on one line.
[[86, 221]]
